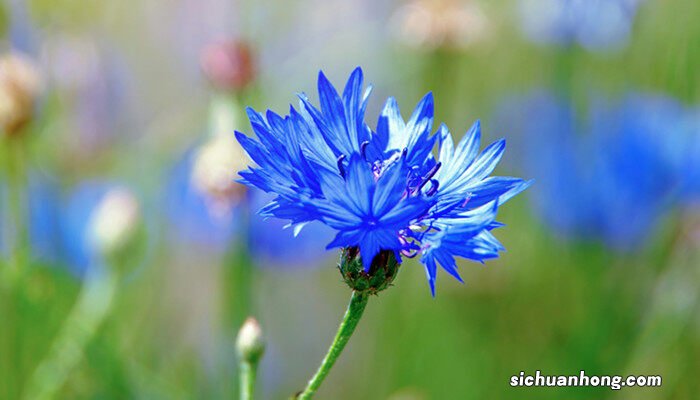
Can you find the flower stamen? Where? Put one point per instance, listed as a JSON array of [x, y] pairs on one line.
[[341, 167], [434, 184], [409, 253], [427, 178], [363, 149]]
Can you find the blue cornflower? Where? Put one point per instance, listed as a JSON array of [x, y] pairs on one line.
[[609, 175], [594, 24], [98, 221], [383, 190]]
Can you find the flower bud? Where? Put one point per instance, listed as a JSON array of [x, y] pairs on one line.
[[114, 223], [214, 172], [381, 273], [20, 84], [229, 65], [249, 343]]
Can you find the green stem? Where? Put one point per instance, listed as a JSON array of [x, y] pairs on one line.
[[17, 185], [9, 339], [248, 373], [358, 301], [14, 228], [93, 305], [240, 278]]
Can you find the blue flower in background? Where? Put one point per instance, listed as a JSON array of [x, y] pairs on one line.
[[21, 32], [42, 218], [612, 175], [638, 175], [594, 24], [690, 154], [191, 212], [379, 190], [99, 220]]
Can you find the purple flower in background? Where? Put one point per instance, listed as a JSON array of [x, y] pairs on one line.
[[93, 84], [91, 80], [610, 176], [594, 24]]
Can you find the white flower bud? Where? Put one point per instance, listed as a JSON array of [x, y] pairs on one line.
[[215, 170], [249, 343], [114, 222]]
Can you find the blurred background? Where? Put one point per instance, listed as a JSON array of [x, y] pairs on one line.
[[130, 257]]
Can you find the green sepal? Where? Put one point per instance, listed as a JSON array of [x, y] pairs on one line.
[[382, 272]]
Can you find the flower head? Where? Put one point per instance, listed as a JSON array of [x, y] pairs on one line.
[[380, 190], [610, 175], [597, 25]]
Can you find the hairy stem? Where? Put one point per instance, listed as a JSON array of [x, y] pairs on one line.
[[358, 301]]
